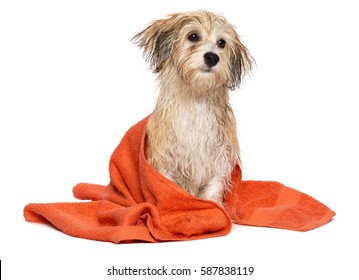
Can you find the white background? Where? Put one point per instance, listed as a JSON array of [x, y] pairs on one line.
[[71, 84]]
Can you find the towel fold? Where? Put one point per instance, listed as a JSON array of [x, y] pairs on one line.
[[139, 204]]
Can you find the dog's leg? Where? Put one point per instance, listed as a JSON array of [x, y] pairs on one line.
[[214, 190], [170, 176]]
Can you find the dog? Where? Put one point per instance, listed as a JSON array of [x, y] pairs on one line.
[[191, 134]]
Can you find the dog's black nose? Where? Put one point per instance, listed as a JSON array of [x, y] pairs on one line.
[[211, 59]]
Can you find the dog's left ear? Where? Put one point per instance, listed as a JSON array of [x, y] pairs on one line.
[[240, 63], [156, 41]]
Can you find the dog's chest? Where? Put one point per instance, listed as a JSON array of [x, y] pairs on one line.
[[196, 118], [197, 132], [199, 147], [189, 143]]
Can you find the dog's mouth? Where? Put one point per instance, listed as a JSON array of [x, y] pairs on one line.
[[206, 69]]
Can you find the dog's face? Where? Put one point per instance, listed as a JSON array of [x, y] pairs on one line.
[[201, 47]]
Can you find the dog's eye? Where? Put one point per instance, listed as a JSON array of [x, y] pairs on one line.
[[193, 37], [221, 43]]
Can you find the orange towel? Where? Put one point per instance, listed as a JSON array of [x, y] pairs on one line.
[[139, 204]]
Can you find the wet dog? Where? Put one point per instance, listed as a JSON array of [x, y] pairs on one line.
[[192, 138]]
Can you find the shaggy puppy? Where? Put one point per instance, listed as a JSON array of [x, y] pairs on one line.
[[192, 137]]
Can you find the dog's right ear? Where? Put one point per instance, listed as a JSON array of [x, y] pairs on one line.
[[157, 42]]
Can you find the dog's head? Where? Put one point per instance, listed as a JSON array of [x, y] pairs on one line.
[[201, 47]]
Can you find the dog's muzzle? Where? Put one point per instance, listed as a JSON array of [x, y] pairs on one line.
[[211, 59]]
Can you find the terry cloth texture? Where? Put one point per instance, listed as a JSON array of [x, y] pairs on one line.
[[139, 204]]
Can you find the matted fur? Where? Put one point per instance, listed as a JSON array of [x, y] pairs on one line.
[[192, 137]]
